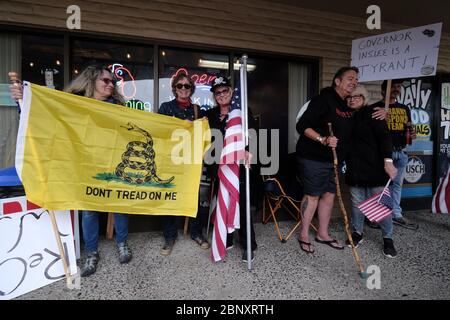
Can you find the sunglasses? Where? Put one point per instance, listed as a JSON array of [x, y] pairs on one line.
[[185, 86], [219, 93], [108, 81]]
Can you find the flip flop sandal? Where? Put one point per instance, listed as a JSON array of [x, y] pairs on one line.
[[330, 243], [309, 244]]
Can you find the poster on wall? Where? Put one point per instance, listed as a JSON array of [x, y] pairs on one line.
[[444, 127], [29, 255], [418, 176], [418, 95]]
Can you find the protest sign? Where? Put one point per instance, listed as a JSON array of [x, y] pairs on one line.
[[401, 54]]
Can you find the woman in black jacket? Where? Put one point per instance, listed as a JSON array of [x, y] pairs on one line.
[[369, 166]]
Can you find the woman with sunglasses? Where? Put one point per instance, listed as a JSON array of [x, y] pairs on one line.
[[217, 117], [369, 166], [95, 82], [181, 107]]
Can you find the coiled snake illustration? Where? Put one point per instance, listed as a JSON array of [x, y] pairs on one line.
[[141, 150]]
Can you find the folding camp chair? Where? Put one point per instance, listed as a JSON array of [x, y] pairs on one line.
[[276, 198]]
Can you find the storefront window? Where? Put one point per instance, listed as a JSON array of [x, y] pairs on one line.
[[42, 60], [132, 66], [202, 67]]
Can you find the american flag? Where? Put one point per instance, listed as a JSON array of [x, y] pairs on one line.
[[441, 199], [227, 206], [377, 207]]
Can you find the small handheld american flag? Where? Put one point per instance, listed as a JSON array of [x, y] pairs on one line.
[[379, 206]]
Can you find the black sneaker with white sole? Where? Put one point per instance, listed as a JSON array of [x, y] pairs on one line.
[[389, 249], [244, 256], [357, 239]]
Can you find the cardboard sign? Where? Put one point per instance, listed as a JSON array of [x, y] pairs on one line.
[[29, 255], [406, 53]]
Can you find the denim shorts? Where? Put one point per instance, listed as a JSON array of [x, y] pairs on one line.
[[317, 177]]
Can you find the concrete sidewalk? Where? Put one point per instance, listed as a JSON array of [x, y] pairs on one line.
[[280, 271]]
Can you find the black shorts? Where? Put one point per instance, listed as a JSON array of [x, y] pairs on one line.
[[317, 177]]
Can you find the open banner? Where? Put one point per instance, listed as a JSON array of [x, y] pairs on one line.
[[83, 154]]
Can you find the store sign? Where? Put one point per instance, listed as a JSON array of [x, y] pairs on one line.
[[418, 176], [416, 94], [415, 169], [445, 96], [199, 78], [137, 93], [401, 54]]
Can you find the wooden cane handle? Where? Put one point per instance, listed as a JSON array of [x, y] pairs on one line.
[[330, 129], [14, 77]]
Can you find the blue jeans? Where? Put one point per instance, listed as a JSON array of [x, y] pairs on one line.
[[400, 161], [359, 194], [89, 221]]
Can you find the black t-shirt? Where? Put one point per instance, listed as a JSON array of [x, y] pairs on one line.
[[327, 107], [399, 116]]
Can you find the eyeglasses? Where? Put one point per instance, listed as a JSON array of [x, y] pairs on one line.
[[219, 93], [108, 81], [357, 97], [183, 85]]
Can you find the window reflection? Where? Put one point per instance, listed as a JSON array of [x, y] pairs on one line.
[[173, 61], [42, 60], [131, 65]]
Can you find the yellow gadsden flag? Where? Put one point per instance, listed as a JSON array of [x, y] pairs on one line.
[[79, 153]]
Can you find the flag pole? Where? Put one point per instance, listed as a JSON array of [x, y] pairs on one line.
[[387, 185], [388, 96], [13, 77], [60, 246], [243, 74]]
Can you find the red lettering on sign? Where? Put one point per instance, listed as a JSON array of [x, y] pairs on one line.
[[31, 206], [201, 79], [12, 207]]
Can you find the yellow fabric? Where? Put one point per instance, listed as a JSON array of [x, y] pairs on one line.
[[72, 147]]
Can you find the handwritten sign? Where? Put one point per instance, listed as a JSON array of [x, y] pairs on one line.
[[29, 255], [401, 54]]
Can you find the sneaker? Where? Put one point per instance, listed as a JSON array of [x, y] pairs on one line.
[[244, 256], [90, 265], [402, 222], [371, 224], [167, 247], [124, 252], [201, 242], [357, 239], [229, 243], [389, 250]]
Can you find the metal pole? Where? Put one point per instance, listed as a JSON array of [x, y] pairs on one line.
[[244, 100]]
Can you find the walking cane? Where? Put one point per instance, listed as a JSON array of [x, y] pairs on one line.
[[361, 273]]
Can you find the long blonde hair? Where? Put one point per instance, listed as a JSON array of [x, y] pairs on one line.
[[84, 84]]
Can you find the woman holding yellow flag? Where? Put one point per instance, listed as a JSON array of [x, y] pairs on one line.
[[95, 82]]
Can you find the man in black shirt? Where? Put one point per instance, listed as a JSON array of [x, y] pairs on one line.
[[402, 133]]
